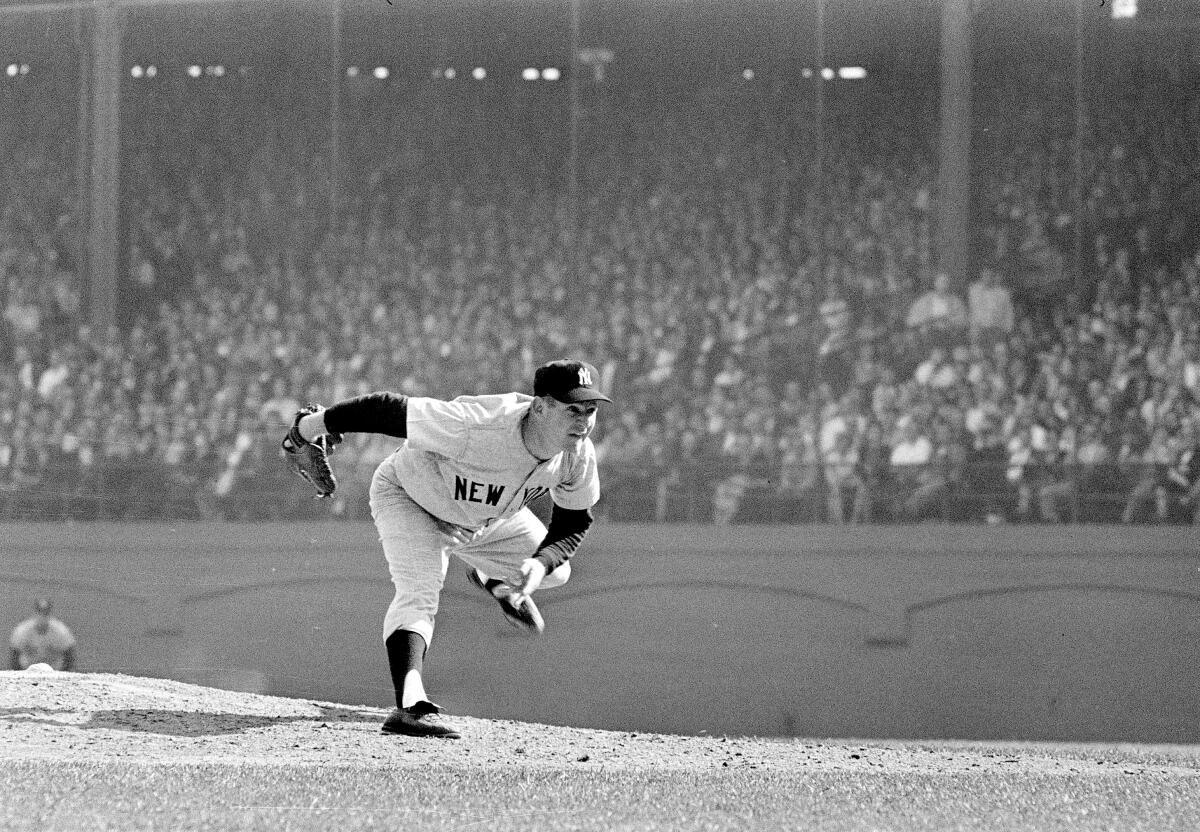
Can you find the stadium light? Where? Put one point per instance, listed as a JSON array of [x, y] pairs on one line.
[[194, 71], [151, 71], [828, 74], [351, 72], [451, 73], [478, 73], [806, 73], [1124, 9], [852, 73], [11, 70], [530, 73], [380, 72], [748, 74], [597, 57], [551, 73], [136, 71]]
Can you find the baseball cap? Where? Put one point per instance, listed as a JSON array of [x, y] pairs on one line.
[[568, 381]]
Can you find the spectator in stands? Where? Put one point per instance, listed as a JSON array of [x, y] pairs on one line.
[[1148, 499], [744, 472], [938, 371], [1026, 441], [835, 355], [23, 317], [687, 472], [876, 471], [1190, 367], [799, 472], [990, 312], [1183, 486], [844, 484], [625, 451], [840, 415], [911, 455], [986, 469], [1098, 475], [434, 265], [1057, 486], [938, 316], [938, 481]]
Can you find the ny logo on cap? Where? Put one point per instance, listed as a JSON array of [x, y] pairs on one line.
[[585, 377]]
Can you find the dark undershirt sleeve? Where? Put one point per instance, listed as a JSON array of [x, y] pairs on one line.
[[385, 413], [566, 532]]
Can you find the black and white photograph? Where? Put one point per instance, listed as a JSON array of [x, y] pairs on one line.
[[600, 415]]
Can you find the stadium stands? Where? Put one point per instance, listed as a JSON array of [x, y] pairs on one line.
[[743, 312]]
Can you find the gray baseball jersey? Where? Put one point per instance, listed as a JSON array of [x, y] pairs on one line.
[[34, 646], [465, 463]]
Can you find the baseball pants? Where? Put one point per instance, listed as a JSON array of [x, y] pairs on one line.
[[418, 547]]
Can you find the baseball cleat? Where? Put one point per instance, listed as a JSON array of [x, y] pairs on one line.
[[423, 719], [524, 616]]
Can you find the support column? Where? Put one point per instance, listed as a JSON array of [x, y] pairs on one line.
[[336, 73], [954, 145], [104, 194]]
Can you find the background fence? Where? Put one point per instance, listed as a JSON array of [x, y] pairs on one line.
[[922, 631], [1132, 492]]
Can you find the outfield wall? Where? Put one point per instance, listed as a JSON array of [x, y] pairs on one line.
[[930, 631]]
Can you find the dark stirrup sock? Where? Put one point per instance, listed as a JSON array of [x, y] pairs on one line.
[[405, 652]]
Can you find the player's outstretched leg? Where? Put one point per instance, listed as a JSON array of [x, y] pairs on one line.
[[525, 616], [414, 715]]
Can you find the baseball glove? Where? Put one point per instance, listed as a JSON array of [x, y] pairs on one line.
[[310, 460]]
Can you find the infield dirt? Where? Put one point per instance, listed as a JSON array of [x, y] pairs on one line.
[[88, 751]]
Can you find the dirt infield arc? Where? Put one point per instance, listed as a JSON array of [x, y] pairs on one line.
[[85, 751], [961, 632]]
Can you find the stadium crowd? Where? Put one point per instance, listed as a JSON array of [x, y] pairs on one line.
[[781, 346]]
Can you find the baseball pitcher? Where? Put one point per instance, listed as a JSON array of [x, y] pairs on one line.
[[460, 484]]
